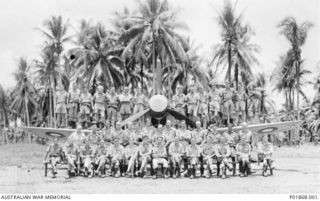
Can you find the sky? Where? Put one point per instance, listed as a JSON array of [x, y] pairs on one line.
[[18, 37]]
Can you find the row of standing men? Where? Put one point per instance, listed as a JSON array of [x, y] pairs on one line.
[[75, 106]]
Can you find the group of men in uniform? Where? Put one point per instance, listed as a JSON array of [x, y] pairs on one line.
[[84, 107], [136, 150], [221, 107]]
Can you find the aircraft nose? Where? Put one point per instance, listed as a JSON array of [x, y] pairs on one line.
[[158, 103]]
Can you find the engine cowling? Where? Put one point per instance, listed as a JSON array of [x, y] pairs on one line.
[[158, 105]]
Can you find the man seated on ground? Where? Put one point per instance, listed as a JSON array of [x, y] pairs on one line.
[[265, 150], [87, 156], [159, 154], [193, 153], [176, 152], [144, 153], [117, 156], [222, 152], [208, 152], [243, 151], [55, 154], [131, 152], [101, 159], [72, 158]]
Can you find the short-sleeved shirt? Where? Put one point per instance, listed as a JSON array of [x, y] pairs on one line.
[[265, 147], [208, 149], [159, 151], [77, 139], [193, 150], [244, 148], [131, 150], [99, 98], [61, 96], [85, 98], [116, 151], [179, 99], [54, 150], [176, 148]]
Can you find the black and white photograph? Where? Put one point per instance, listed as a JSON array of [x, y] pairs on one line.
[[218, 97]]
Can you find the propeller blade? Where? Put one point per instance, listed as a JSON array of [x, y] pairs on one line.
[[134, 117], [180, 116]]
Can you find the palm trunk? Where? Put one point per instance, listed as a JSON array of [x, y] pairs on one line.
[[50, 106], [28, 120], [229, 62], [154, 66], [4, 127], [236, 75], [298, 91], [141, 75]]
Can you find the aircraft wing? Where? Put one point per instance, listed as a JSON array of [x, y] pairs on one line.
[[134, 117], [49, 133], [268, 128], [180, 117]]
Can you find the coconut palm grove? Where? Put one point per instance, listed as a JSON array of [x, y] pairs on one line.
[[105, 75]]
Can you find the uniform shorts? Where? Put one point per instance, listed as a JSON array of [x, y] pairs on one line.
[[84, 109], [203, 109], [98, 107], [192, 109], [138, 108], [241, 105], [214, 106], [157, 161], [112, 114], [73, 110], [228, 106], [61, 108], [125, 109]]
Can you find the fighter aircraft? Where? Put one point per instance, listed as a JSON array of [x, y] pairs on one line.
[[159, 109]]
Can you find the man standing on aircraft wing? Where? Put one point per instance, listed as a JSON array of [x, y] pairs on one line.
[[73, 104], [125, 104], [113, 101], [61, 106], [85, 106], [99, 100]]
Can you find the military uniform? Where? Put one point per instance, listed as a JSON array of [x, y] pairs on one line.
[[117, 157], [139, 103], [61, 107], [101, 158], [85, 106], [72, 156], [185, 136], [125, 105], [77, 139], [243, 152], [227, 102], [265, 150], [208, 151], [99, 106], [222, 152], [192, 100], [74, 100], [113, 101], [179, 101], [199, 134], [159, 155], [87, 155]]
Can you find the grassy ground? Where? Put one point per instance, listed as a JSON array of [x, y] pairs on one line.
[[25, 155], [21, 171]]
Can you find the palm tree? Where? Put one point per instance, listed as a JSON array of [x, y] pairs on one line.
[[3, 106], [153, 30], [296, 35], [50, 75], [24, 92], [236, 51], [178, 73], [96, 60], [258, 96], [56, 36]]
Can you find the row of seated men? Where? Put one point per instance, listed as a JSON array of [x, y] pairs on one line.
[[75, 106], [126, 152]]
